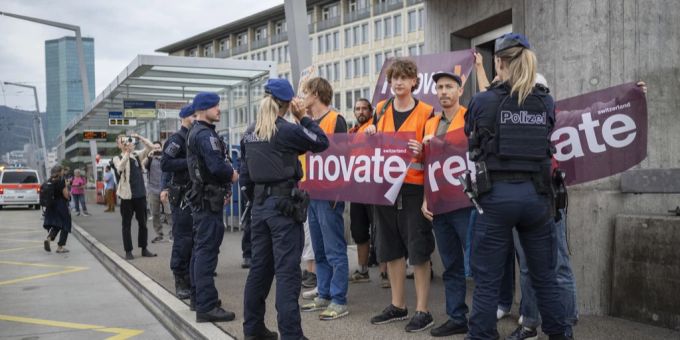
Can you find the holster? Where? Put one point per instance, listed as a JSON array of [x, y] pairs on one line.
[[560, 192], [482, 179], [300, 204], [213, 196], [176, 194]]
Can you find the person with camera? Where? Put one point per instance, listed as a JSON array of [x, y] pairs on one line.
[[131, 190], [154, 175], [271, 148], [211, 177], [174, 162], [508, 129]]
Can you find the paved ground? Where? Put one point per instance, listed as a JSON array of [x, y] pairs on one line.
[[364, 299], [62, 296]]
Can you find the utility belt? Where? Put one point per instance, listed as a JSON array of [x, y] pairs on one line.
[[176, 193], [207, 196], [292, 203]]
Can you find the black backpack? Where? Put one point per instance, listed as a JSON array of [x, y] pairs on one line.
[[47, 193]]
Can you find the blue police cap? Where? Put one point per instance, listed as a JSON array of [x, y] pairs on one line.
[[205, 100], [451, 75], [511, 40], [279, 89], [186, 111]]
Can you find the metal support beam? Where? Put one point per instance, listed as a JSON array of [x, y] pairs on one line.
[[298, 38]]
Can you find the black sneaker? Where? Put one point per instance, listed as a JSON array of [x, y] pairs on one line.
[[390, 314], [523, 333], [420, 322], [129, 256], [310, 281], [450, 327]]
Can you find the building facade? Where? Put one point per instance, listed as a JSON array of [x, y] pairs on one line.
[[350, 40], [64, 88]]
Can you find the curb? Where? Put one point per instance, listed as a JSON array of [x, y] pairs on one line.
[[173, 314]]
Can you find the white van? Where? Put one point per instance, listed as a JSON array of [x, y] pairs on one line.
[[19, 186]]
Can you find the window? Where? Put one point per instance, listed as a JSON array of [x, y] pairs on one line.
[[330, 11], [421, 16], [388, 27], [348, 69], [348, 37], [280, 27], [321, 44], [279, 56], [353, 6], [357, 67], [242, 39], [192, 52], [365, 93], [349, 103], [357, 35], [366, 67], [398, 52], [336, 71], [397, 25], [377, 29], [412, 21], [364, 34], [336, 40], [378, 62], [336, 100], [357, 94], [264, 55], [261, 33], [329, 71], [329, 42], [421, 49], [413, 50], [208, 50], [322, 71], [286, 55], [224, 44]]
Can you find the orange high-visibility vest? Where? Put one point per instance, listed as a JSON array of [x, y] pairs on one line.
[[362, 127], [457, 123], [327, 124], [415, 122]]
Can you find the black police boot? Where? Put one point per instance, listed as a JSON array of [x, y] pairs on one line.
[[192, 303], [217, 314], [263, 335], [181, 287]]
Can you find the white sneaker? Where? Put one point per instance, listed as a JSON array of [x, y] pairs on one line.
[[310, 294], [501, 314], [520, 320]]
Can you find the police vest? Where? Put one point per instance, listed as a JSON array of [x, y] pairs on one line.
[[516, 138], [414, 123], [328, 123], [268, 163], [457, 123], [197, 168]]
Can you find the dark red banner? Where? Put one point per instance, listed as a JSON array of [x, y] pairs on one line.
[[358, 168]]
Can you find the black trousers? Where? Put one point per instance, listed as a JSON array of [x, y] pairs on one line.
[[137, 207], [63, 235]]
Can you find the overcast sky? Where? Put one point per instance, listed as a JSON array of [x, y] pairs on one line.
[[121, 30]]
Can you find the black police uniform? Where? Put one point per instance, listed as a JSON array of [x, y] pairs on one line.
[[174, 161], [510, 145], [247, 191], [210, 175], [277, 239]]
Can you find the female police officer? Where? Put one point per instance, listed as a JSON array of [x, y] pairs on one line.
[[508, 130], [271, 148]]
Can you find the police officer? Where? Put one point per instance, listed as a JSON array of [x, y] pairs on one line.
[[211, 176], [174, 162], [271, 148], [508, 130]]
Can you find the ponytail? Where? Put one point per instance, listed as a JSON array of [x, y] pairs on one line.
[[521, 65], [265, 123]]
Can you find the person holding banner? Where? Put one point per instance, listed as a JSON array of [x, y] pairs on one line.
[[402, 230], [450, 228], [508, 129], [271, 148], [326, 222], [361, 215]]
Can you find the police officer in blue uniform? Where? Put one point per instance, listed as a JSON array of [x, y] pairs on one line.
[[211, 177], [270, 148], [508, 130], [174, 163]]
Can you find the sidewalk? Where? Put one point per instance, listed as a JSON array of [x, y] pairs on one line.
[[62, 296], [365, 299]]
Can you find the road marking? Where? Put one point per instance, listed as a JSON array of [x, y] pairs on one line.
[[20, 248], [24, 232], [121, 333], [67, 270], [19, 240]]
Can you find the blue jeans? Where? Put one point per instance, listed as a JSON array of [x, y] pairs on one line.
[[507, 205], [78, 201], [327, 231], [565, 281], [450, 231]]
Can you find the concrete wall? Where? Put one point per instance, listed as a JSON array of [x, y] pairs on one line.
[[583, 46]]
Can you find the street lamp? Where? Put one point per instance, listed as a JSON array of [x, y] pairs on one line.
[[38, 120]]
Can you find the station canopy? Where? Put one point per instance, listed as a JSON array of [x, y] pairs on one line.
[[169, 78]]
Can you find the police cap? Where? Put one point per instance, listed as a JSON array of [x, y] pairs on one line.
[[205, 100], [511, 40], [186, 111], [451, 75], [279, 89]]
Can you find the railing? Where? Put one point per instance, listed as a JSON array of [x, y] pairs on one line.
[[240, 49], [260, 43], [224, 54], [328, 23], [358, 14], [387, 6], [277, 38], [311, 28], [413, 2]]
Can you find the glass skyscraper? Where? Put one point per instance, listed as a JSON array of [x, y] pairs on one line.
[[64, 88]]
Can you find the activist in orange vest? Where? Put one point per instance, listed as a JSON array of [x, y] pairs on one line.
[[450, 228], [402, 229], [326, 222]]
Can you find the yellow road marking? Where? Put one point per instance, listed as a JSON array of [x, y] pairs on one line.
[[19, 240], [67, 270], [24, 232], [121, 333], [15, 249]]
